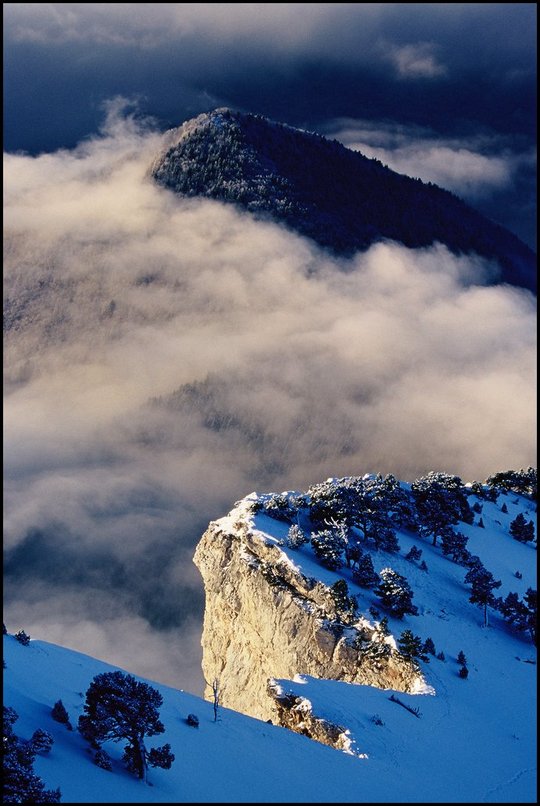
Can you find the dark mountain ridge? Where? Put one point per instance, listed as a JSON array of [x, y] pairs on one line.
[[341, 199]]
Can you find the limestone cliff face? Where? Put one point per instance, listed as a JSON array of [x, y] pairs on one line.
[[264, 619]]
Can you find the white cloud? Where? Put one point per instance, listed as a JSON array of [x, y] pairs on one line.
[[473, 168], [415, 60], [311, 367]]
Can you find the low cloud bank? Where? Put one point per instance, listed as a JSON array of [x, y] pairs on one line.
[[167, 356]]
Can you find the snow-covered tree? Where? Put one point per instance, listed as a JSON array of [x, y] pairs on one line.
[[522, 530], [41, 741], [120, 707], [22, 637], [365, 575], [521, 481], [20, 784], [441, 501], [329, 548], [395, 593], [296, 537], [483, 583]]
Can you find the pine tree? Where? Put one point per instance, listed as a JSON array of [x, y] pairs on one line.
[[483, 584], [120, 707], [515, 611], [329, 547], [504, 508], [296, 537], [530, 600], [22, 637], [345, 604], [522, 530], [41, 741], [59, 714], [463, 673], [441, 501], [429, 646], [395, 593], [412, 646], [454, 544], [414, 553], [441, 656], [365, 575], [461, 658], [20, 783]]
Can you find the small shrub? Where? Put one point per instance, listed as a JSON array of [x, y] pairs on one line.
[[414, 554], [423, 566], [59, 714], [41, 741], [102, 759], [22, 637], [441, 656], [376, 720], [518, 575], [296, 537], [463, 673], [461, 658], [429, 646], [193, 720]]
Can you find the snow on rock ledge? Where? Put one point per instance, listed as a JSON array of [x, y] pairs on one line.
[[264, 619]]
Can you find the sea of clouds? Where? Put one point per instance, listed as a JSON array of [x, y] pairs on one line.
[[167, 356]]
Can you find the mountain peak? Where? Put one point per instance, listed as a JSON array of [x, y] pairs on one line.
[[339, 198]]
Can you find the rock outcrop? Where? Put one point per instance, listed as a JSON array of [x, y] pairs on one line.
[[264, 619]]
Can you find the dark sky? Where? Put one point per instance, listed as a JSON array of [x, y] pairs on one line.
[[460, 77]]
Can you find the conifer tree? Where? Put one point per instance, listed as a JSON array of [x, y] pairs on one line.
[[120, 707], [522, 530], [429, 646], [412, 646], [483, 584], [365, 575], [395, 593], [20, 783], [329, 547], [59, 714]]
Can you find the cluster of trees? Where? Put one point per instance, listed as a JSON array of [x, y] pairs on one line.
[[117, 708], [20, 783], [347, 515], [521, 481]]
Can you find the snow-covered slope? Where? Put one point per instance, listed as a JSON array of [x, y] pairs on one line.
[[449, 740], [236, 759], [475, 738]]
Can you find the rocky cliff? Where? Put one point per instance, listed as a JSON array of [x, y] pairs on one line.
[[265, 619]]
